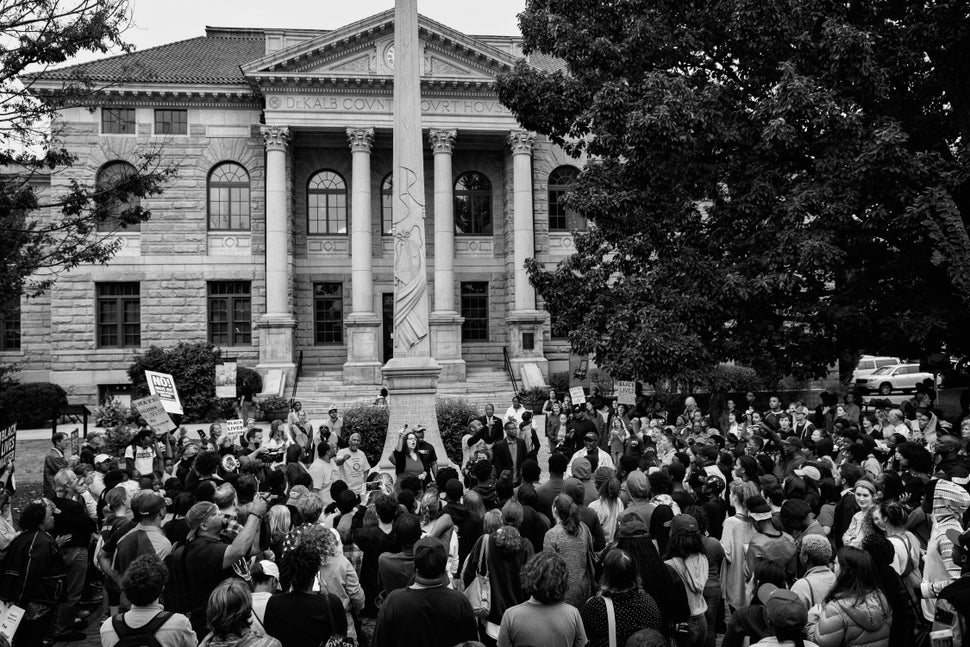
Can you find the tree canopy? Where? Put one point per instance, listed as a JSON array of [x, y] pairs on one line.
[[782, 183], [47, 233]]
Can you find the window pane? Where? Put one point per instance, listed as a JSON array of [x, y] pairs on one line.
[[473, 204], [387, 207], [327, 203], [118, 313], [229, 197], [328, 313], [474, 308], [230, 312], [108, 178]]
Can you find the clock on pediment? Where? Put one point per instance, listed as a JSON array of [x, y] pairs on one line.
[[389, 56]]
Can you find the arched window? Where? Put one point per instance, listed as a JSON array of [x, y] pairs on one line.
[[110, 176], [562, 218], [326, 203], [387, 206], [228, 198], [473, 204]]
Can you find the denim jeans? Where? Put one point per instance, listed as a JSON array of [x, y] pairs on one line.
[[696, 632], [76, 561]]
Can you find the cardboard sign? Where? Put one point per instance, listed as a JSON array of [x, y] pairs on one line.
[[163, 385], [234, 429], [577, 394], [10, 617], [625, 392], [226, 379], [152, 409], [76, 443], [8, 444]]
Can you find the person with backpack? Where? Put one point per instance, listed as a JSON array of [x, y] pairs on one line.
[[146, 624]]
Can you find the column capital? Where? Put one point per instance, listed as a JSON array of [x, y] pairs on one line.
[[361, 139], [442, 141], [275, 137], [521, 142]]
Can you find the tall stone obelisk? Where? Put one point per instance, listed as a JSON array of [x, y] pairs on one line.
[[412, 374]]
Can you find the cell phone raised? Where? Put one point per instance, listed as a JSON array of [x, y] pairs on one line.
[[373, 486]]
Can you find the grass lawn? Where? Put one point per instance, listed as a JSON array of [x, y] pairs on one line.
[[29, 473]]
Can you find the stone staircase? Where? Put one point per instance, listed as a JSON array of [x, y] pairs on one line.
[[319, 390]]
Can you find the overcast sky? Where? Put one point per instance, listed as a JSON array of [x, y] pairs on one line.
[[164, 21]]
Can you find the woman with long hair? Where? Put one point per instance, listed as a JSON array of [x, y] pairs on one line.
[[633, 608], [686, 555], [116, 525], [856, 611], [900, 600], [891, 517], [504, 552], [407, 461], [278, 526], [571, 539], [544, 618], [656, 577], [337, 575], [229, 616], [861, 524], [608, 507]]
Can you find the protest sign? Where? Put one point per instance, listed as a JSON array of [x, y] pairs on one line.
[[152, 409], [234, 429], [163, 385], [75, 443], [226, 379], [8, 444], [577, 394], [10, 617], [625, 392]]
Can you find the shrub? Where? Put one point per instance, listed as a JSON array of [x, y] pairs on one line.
[[453, 415], [193, 366], [559, 382], [116, 439], [533, 399], [248, 383], [273, 403], [33, 404], [733, 378], [113, 413], [371, 423]]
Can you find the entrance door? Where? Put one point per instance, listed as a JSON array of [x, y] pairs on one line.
[[387, 317]]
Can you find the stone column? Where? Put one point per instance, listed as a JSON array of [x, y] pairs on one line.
[[277, 324], [445, 320], [363, 365], [525, 321]]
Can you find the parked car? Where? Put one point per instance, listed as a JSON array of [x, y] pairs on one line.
[[869, 363], [958, 375], [899, 377]]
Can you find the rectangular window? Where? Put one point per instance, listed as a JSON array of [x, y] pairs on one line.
[[10, 326], [328, 313], [474, 308], [118, 315], [117, 121], [171, 122], [230, 313]]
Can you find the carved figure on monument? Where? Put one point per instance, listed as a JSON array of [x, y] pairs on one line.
[[409, 269]]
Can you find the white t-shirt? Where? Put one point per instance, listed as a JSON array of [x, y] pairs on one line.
[[355, 468], [323, 474], [144, 458]]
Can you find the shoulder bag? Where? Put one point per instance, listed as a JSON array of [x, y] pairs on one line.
[[479, 592]]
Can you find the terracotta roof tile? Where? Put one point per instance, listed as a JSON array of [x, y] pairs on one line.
[[202, 60]]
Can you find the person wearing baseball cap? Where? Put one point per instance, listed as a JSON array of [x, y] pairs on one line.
[[146, 538], [686, 556], [207, 560], [427, 612], [786, 617]]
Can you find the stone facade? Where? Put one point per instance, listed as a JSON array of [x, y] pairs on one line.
[[174, 256]]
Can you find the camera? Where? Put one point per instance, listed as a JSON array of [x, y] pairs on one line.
[[373, 486]]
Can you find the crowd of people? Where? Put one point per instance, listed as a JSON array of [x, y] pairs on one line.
[[784, 526]]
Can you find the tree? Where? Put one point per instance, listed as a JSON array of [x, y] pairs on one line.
[[778, 182], [45, 235]]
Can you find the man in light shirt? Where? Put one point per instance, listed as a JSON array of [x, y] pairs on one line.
[[354, 464]]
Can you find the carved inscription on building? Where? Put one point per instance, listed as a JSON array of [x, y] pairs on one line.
[[339, 103]]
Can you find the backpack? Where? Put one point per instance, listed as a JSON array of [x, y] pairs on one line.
[[178, 594], [141, 637]]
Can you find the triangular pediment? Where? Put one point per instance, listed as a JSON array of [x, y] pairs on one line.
[[366, 49]]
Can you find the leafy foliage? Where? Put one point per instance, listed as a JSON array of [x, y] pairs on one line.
[[559, 382], [371, 423], [533, 399], [453, 416], [727, 377], [33, 404], [782, 184], [273, 403], [116, 440], [192, 365], [113, 413]]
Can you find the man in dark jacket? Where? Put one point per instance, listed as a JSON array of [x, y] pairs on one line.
[[492, 423], [373, 542], [509, 453], [847, 506], [74, 528]]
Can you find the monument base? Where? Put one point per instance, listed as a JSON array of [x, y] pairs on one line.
[[363, 366], [446, 345], [276, 346], [526, 340], [412, 383]]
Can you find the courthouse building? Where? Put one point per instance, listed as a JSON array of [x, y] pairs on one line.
[[275, 242]]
